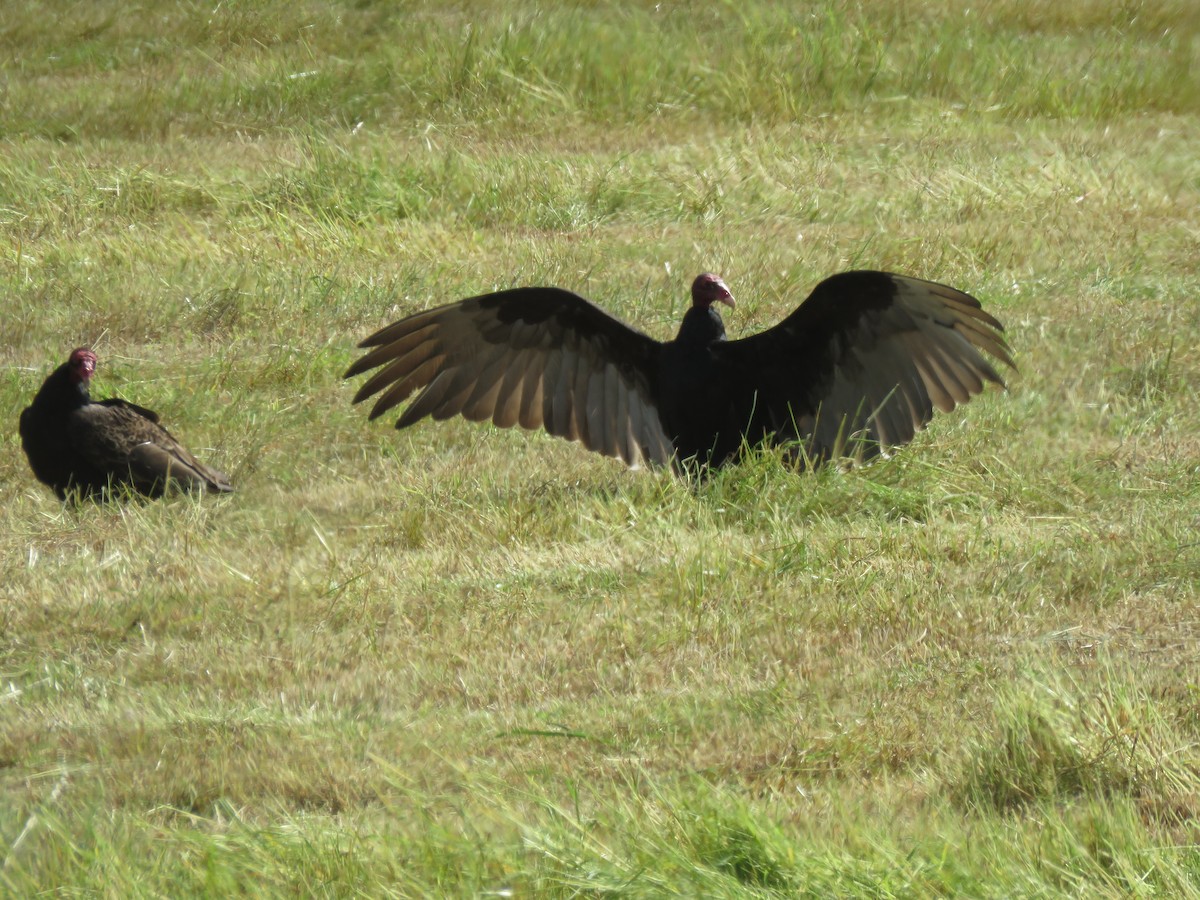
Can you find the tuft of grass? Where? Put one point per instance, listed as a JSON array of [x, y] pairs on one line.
[[1052, 743]]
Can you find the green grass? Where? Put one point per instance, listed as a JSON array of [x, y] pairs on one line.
[[461, 661]]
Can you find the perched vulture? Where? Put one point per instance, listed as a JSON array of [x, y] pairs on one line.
[[77, 445], [858, 367]]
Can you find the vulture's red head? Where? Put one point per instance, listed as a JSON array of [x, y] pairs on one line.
[[708, 289], [81, 365]]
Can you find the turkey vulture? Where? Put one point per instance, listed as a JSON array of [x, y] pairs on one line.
[[858, 367], [75, 444]]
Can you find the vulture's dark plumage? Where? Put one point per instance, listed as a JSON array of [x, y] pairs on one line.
[[858, 367], [77, 445]]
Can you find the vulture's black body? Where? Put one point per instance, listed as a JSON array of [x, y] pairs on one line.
[[858, 367], [77, 445]]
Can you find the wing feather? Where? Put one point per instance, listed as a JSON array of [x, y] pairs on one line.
[[534, 357], [406, 381], [405, 342], [577, 399], [117, 438], [508, 398], [458, 392], [428, 400], [398, 369], [866, 349], [938, 395], [946, 376], [480, 404], [532, 398], [563, 418], [594, 411], [902, 411], [622, 423]]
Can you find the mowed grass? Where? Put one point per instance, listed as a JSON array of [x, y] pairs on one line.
[[463, 661]]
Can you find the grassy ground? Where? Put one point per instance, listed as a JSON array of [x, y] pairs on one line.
[[462, 661]]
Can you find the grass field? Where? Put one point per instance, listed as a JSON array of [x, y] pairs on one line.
[[463, 661]]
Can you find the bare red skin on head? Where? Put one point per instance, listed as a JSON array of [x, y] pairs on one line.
[[708, 289], [82, 363]]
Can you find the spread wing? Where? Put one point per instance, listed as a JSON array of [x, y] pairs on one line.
[[120, 438], [868, 355], [538, 357]]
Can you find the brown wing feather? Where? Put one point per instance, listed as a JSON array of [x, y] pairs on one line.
[[119, 438], [512, 386], [867, 352], [535, 357]]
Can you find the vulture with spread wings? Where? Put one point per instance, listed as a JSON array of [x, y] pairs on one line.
[[78, 445], [857, 368]]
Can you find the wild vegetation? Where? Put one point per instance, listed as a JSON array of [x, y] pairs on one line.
[[462, 661]]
